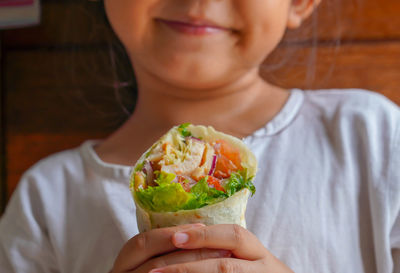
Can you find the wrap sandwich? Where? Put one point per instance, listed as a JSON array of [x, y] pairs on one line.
[[193, 174]]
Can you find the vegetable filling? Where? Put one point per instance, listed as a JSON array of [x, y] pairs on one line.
[[187, 173]]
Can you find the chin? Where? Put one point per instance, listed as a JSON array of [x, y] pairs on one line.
[[190, 72], [196, 77], [196, 81]]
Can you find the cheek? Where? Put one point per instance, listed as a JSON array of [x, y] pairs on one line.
[[266, 22]]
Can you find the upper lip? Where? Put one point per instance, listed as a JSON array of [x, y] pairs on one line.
[[198, 22]]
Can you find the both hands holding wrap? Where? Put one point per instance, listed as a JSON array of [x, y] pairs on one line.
[[209, 249], [191, 189]]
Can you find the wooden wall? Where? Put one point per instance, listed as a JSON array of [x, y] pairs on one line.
[[54, 96]]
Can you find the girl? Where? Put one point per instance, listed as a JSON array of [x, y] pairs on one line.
[[328, 187]]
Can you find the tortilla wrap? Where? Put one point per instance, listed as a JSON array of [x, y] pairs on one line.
[[229, 211]]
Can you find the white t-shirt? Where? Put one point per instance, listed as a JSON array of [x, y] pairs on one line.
[[327, 200]]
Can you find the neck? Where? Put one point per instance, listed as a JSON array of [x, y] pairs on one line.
[[224, 107], [237, 108]]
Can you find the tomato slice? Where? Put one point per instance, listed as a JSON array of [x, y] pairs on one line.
[[228, 159], [212, 181]]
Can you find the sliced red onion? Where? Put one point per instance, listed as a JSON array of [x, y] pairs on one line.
[[213, 165], [148, 170], [197, 139]]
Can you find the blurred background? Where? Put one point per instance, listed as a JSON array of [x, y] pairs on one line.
[[59, 85]]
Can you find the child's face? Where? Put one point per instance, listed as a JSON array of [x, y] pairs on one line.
[[251, 30]]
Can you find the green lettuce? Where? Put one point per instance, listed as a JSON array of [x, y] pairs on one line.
[[202, 195], [239, 180], [163, 178], [184, 131], [166, 197], [171, 197]]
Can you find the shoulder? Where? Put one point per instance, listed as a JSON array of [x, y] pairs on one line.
[[55, 167], [39, 188], [357, 99], [354, 105], [365, 122], [48, 178], [348, 97], [37, 209]]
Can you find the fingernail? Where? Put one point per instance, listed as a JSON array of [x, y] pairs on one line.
[[181, 238], [157, 270], [198, 225], [225, 253]]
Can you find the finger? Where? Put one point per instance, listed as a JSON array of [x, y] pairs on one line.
[[183, 256], [145, 245], [214, 266], [240, 241]]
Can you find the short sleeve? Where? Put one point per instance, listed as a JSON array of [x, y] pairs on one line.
[[24, 241]]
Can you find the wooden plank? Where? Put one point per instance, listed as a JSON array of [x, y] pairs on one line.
[[58, 69], [62, 110], [27, 149], [69, 22], [79, 95], [367, 66], [352, 20]]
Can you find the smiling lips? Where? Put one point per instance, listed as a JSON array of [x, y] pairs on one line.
[[197, 28]]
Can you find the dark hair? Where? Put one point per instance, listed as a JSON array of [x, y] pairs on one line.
[[99, 59]]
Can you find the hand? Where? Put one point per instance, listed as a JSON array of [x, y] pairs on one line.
[[154, 249], [249, 255]]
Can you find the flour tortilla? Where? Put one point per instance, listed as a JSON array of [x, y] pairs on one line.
[[229, 211]]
